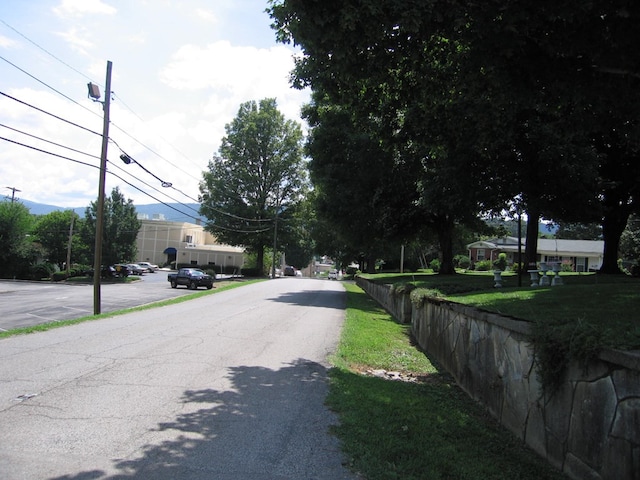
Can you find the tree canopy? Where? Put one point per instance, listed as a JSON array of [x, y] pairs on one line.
[[15, 245], [257, 179], [53, 232], [493, 101], [121, 226]]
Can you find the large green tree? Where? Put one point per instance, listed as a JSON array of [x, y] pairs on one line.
[[395, 67], [121, 226], [361, 191], [16, 254], [253, 185], [534, 100], [55, 231]]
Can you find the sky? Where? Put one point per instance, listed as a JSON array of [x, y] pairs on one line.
[[180, 71]]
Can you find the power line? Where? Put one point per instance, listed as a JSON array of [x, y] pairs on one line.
[[48, 153], [50, 114], [44, 50], [48, 141], [47, 85], [77, 71], [131, 185]]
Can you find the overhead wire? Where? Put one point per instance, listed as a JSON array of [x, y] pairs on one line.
[[130, 184], [72, 100], [165, 184], [48, 86], [50, 114]]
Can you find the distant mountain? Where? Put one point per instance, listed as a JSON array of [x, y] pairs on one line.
[[172, 212]]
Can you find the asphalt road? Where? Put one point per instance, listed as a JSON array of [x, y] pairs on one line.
[[227, 386], [24, 304]]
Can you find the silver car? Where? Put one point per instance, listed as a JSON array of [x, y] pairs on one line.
[[150, 267], [136, 269]]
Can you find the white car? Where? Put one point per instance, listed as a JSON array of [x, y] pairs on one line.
[[333, 275], [150, 267]]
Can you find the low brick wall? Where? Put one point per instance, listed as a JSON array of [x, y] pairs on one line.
[[589, 429]]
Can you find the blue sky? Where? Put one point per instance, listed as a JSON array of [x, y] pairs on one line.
[[180, 71]]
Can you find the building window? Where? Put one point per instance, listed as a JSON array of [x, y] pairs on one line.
[[188, 238], [480, 254]]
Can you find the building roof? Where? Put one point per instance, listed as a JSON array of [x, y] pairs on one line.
[[546, 246]]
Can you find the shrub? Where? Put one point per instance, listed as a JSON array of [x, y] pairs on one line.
[[402, 288], [435, 265], [483, 265], [566, 266], [351, 272], [42, 271], [252, 272], [501, 262], [462, 261], [517, 267], [59, 276]]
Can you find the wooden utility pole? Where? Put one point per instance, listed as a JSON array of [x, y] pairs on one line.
[[73, 216], [97, 262], [13, 193]]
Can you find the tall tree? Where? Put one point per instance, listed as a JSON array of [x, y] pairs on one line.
[[536, 99], [359, 191], [251, 187], [53, 232], [121, 226], [15, 224], [395, 66]]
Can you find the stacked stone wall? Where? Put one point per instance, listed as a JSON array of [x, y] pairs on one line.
[[589, 428]]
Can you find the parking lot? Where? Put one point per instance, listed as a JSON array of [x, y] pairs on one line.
[[24, 304]]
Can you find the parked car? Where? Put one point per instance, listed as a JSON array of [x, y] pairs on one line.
[[191, 277], [121, 270], [136, 269], [333, 275], [105, 272], [151, 268]]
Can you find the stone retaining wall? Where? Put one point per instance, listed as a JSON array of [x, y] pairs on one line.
[[590, 428]]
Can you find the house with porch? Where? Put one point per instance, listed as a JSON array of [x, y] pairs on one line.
[[582, 255]]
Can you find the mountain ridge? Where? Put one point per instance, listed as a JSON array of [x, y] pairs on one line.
[[172, 212]]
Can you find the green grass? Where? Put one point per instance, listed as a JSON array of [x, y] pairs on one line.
[[428, 430], [571, 322], [220, 287]]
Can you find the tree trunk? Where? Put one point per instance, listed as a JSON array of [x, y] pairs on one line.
[[371, 264], [444, 228], [260, 260], [531, 246], [613, 224]]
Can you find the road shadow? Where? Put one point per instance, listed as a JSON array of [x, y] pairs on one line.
[[314, 298], [267, 424]]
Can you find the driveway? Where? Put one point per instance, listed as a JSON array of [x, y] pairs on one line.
[[227, 386]]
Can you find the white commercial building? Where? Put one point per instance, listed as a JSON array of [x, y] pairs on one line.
[[162, 242]]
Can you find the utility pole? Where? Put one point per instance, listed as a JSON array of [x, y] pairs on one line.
[[13, 193], [275, 243], [73, 216], [97, 261]]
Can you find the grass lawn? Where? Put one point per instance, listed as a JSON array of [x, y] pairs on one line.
[[424, 427], [570, 322]]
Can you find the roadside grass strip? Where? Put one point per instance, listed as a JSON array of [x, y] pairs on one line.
[[400, 417]]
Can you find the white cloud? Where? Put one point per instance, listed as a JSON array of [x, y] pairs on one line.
[[222, 65], [206, 15], [77, 39], [77, 8], [6, 42], [181, 71]]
